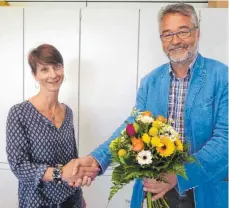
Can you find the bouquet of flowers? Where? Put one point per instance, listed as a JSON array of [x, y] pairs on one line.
[[147, 148]]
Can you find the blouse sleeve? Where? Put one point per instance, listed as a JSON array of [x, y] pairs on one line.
[[17, 148]]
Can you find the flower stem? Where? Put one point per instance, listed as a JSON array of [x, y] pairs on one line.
[[149, 200], [158, 203], [154, 205], [165, 203]]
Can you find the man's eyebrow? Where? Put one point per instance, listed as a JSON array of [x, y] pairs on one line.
[[181, 27], [164, 31], [184, 27]]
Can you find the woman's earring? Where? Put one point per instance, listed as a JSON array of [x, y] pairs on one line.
[[37, 84]]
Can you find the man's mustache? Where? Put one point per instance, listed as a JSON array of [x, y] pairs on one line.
[[174, 47]]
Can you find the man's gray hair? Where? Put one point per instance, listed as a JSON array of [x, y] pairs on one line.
[[181, 8]]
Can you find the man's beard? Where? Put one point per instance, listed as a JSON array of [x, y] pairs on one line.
[[188, 55]]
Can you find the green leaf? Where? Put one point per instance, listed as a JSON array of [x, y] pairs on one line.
[[197, 162], [122, 160], [129, 177], [147, 174], [113, 191], [180, 170], [186, 147], [126, 160], [130, 169], [159, 168], [191, 159], [117, 174], [170, 171]]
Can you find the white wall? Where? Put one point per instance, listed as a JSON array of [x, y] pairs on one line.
[[11, 53], [108, 73], [106, 52], [214, 34]]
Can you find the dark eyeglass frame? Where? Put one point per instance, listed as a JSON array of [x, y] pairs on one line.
[[171, 35]]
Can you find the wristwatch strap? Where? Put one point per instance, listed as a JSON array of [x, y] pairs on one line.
[[57, 173]]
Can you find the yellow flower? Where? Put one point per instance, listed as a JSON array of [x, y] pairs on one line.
[[168, 147], [146, 138], [157, 124], [122, 153], [179, 145], [156, 142], [153, 131]]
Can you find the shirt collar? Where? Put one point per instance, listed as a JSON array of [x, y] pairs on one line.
[[190, 68]]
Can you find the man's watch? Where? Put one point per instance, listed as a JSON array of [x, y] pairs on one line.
[[57, 173]]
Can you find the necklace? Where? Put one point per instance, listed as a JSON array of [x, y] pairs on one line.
[[51, 116]]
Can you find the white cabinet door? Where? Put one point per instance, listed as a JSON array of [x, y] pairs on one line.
[[11, 56], [150, 50], [58, 27], [108, 73], [97, 194], [8, 188], [214, 34]]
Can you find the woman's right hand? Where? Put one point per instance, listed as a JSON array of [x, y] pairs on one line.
[[84, 175]]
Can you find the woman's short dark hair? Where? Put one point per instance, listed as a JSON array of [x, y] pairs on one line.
[[44, 54]]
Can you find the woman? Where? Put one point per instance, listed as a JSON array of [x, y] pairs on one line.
[[41, 142]]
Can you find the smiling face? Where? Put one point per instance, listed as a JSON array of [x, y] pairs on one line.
[[46, 63], [49, 76], [180, 49]]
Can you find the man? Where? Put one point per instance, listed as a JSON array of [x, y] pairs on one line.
[[193, 91]]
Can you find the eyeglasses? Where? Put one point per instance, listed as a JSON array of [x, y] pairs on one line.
[[182, 34]]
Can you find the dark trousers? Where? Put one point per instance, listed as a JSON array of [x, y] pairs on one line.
[[66, 204], [176, 201], [69, 203]]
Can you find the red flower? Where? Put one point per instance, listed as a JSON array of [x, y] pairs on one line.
[[130, 130]]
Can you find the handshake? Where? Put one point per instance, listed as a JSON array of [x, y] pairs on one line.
[[81, 171]]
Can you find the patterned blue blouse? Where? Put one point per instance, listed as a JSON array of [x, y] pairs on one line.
[[34, 144]]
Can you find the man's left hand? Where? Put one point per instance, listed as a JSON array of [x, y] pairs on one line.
[[160, 188]]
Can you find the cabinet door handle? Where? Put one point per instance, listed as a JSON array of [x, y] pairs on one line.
[[127, 201]]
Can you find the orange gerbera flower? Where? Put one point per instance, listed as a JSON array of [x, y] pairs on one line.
[[146, 113], [137, 144]]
